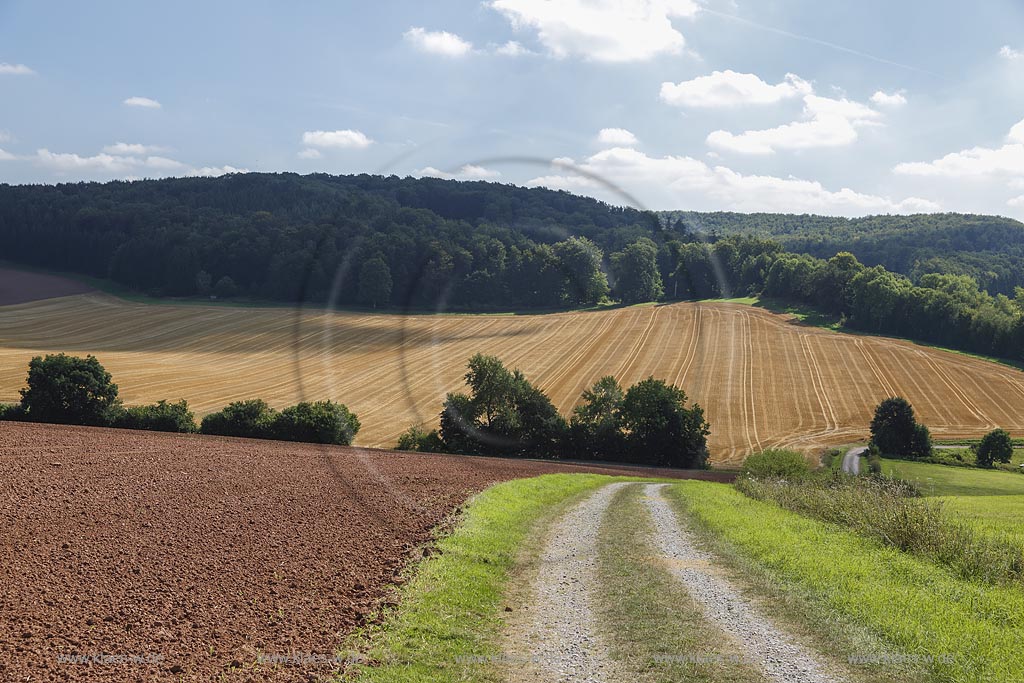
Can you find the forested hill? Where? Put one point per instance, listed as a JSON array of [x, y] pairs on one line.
[[285, 236], [988, 248]]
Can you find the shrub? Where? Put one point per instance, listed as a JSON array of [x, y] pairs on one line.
[[12, 411], [418, 439], [158, 417], [69, 390], [874, 460], [996, 446], [316, 422], [252, 418], [776, 463]]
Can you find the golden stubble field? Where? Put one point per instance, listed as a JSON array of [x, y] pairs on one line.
[[763, 380]]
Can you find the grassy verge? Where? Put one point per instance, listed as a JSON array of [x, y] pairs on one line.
[[886, 510], [940, 480], [655, 629], [448, 623], [905, 618]]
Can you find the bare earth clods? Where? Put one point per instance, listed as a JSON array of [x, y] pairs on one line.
[[199, 555]]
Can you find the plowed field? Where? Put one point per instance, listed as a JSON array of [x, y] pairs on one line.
[[137, 556], [763, 379]]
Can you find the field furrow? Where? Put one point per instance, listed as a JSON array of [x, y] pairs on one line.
[[762, 379]]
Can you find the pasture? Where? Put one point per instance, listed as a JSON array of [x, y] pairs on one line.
[[763, 379]]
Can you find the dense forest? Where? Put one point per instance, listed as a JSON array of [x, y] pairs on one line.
[[406, 243], [988, 248], [411, 243]]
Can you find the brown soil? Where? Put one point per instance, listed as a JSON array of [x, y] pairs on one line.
[[206, 553], [19, 286]]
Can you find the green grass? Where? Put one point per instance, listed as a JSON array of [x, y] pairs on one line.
[[997, 515], [649, 619], [940, 480], [900, 605], [448, 623]]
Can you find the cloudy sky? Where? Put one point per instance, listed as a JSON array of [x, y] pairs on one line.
[[829, 106]]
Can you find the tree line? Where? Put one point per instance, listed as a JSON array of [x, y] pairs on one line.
[[406, 243], [65, 389], [503, 415]]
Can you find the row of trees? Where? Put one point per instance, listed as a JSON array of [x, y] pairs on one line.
[[65, 389], [504, 414]]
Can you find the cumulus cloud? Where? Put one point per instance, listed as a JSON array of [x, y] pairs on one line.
[[144, 102], [1016, 202], [125, 148], [731, 89], [602, 30], [438, 42], [882, 99], [618, 137], [512, 48], [976, 162], [338, 139], [310, 153], [674, 181], [129, 166], [828, 123], [1007, 52], [467, 172], [15, 69], [214, 171], [6, 156]]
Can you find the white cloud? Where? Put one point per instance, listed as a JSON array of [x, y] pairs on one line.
[[512, 48], [214, 171], [125, 148], [15, 69], [467, 172], [619, 137], [6, 156], [310, 153], [340, 139], [602, 30], [672, 182], [731, 89], [977, 162], [882, 99], [123, 165], [438, 42], [143, 102], [1007, 52], [64, 162], [829, 123], [1016, 202]]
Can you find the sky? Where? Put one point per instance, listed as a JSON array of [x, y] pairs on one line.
[[825, 106]]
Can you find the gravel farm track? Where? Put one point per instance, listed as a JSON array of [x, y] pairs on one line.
[[209, 551], [763, 379]]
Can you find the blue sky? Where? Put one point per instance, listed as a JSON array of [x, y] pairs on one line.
[[776, 105]]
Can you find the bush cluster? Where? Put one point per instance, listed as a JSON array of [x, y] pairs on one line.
[[504, 414], [776, 463], [311, 422], [66, 389]]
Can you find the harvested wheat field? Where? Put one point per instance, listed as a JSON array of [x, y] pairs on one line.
[[763, 379], [202, 554]]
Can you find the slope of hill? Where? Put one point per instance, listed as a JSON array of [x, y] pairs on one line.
[[988, 248], [762, 379]]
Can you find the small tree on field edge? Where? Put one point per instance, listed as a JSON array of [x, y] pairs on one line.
[[69, 390], [996, 446], [895, 431]]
